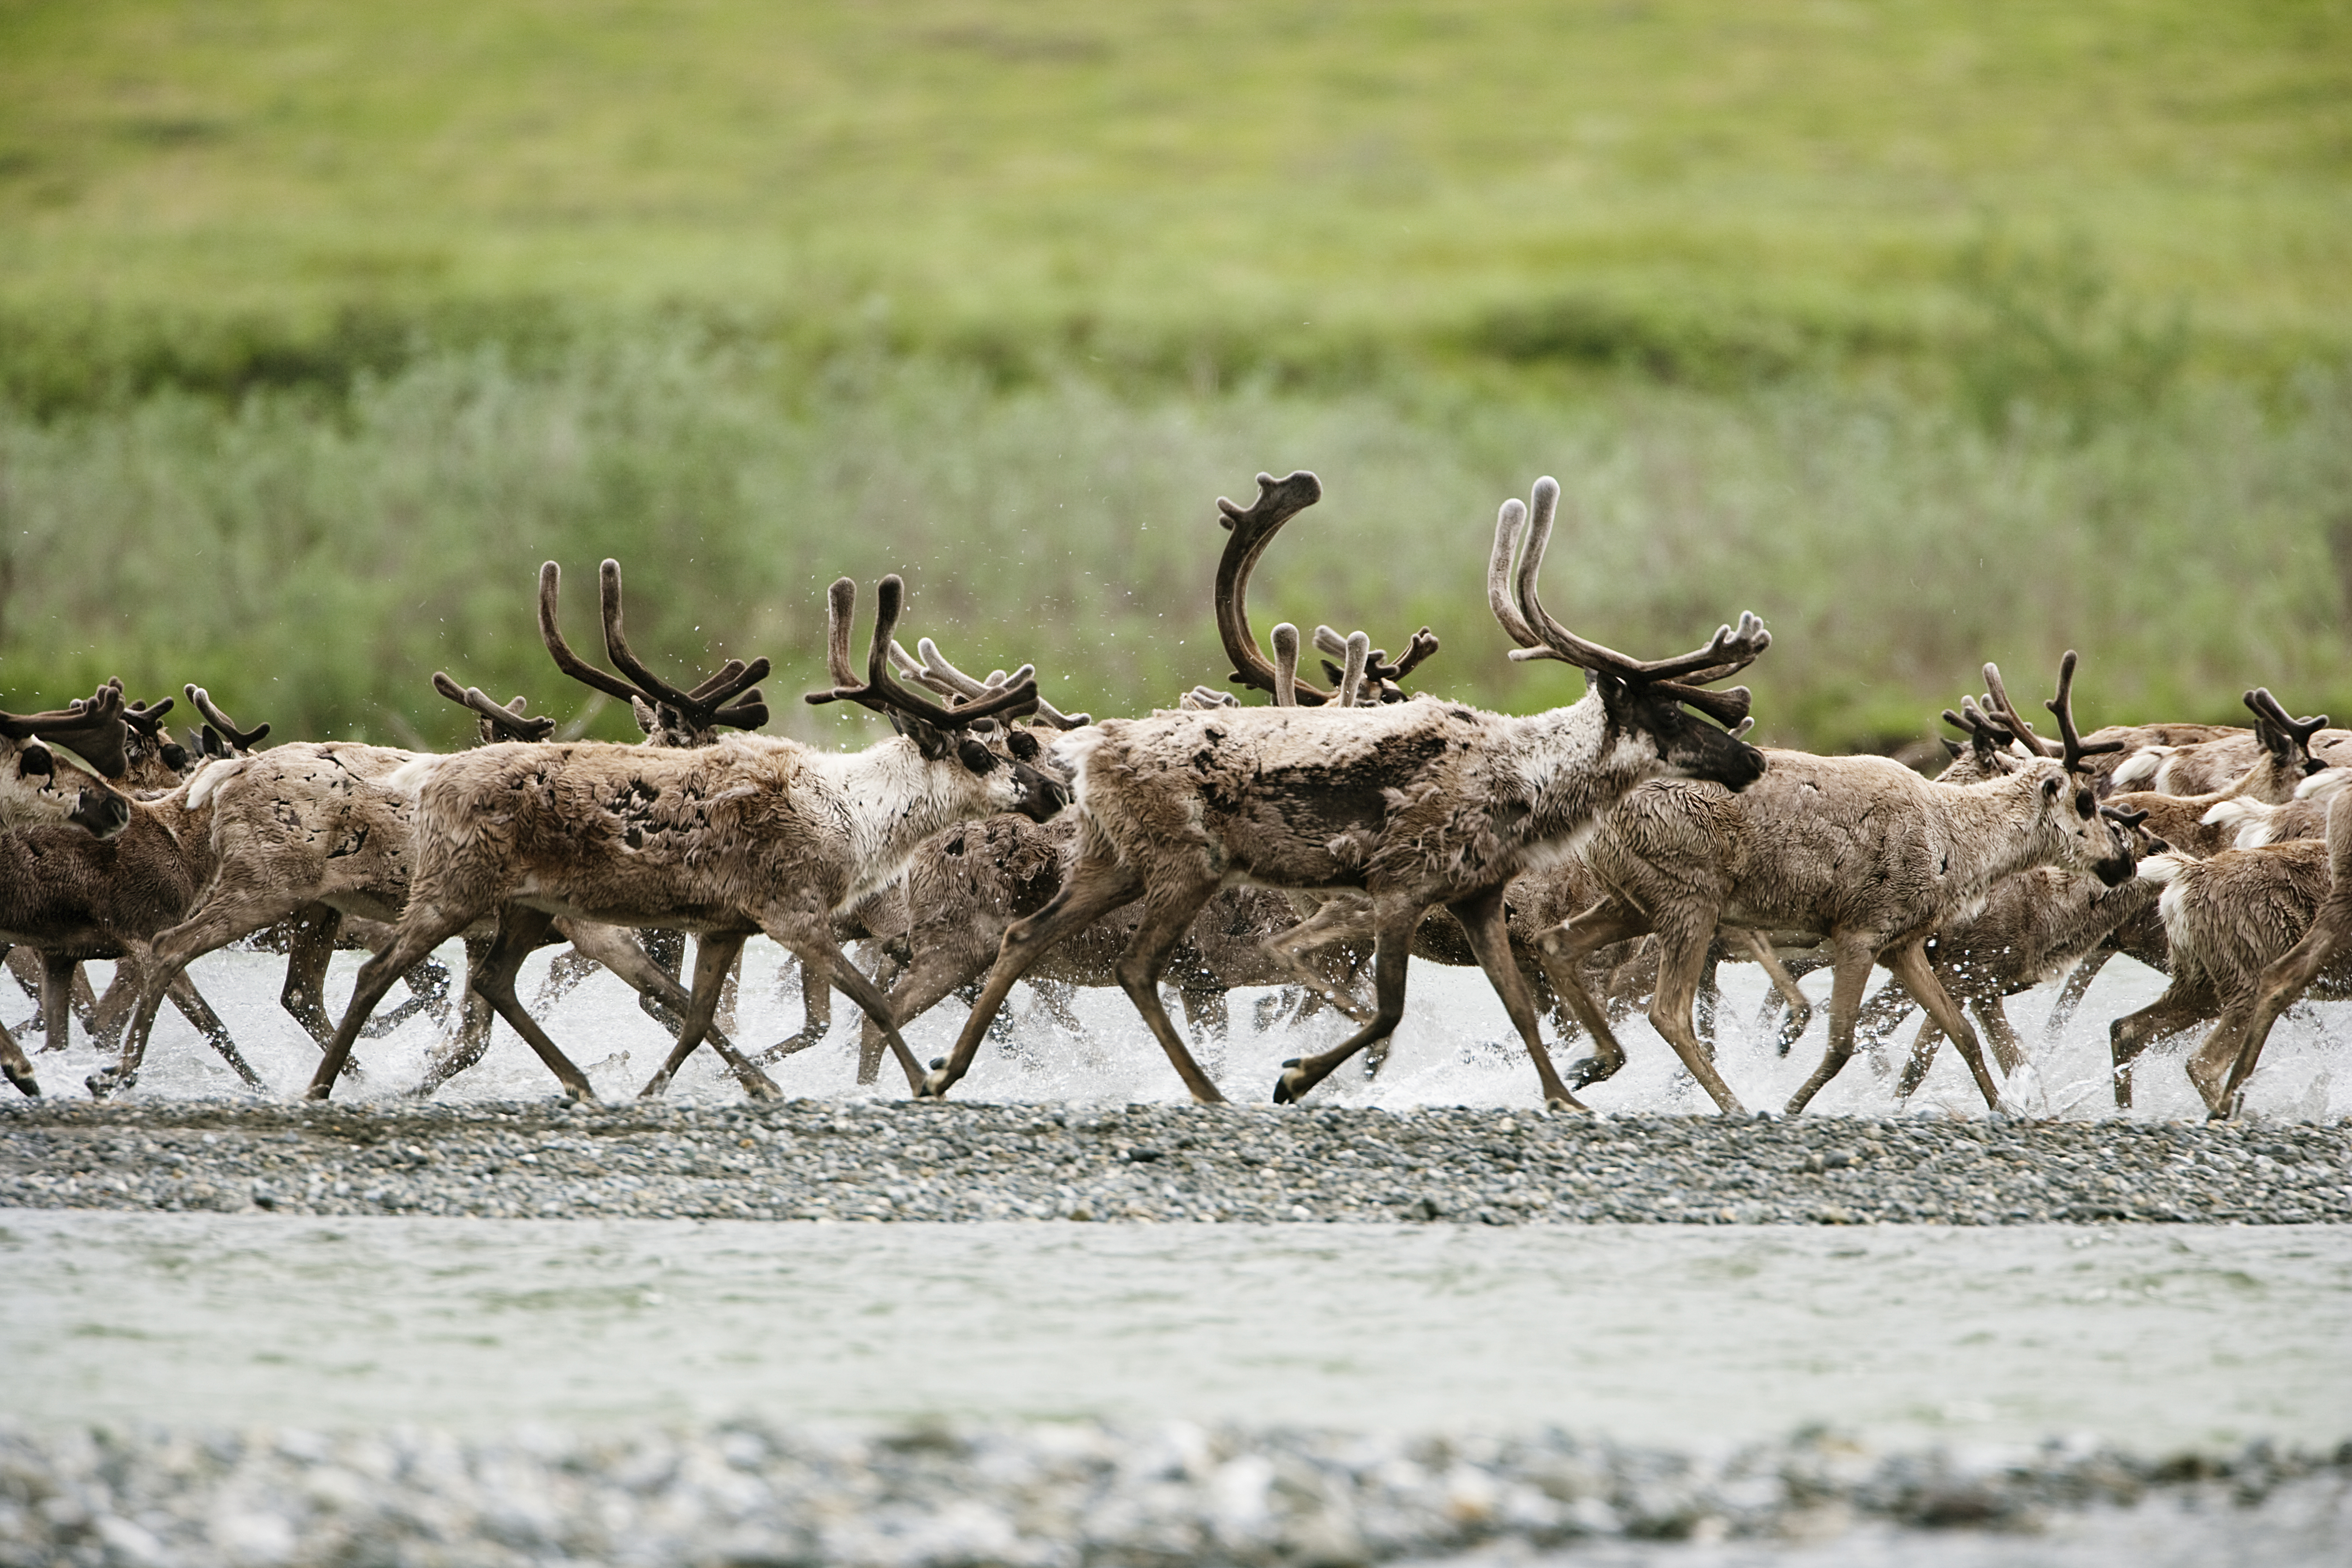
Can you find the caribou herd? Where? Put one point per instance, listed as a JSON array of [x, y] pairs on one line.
[[1584, 858]]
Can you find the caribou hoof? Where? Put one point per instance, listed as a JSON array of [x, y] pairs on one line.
[[1586, 1070], [27, 1084], [934, 1085], [1561, 1102], [1291, 1085], [101, 1083]]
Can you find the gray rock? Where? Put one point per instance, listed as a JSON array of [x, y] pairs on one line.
[[963, 1161]]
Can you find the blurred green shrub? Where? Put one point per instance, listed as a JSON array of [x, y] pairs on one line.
[[313, 563], [2049, 337]]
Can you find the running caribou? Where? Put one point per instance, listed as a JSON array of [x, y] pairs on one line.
[[749, 834], [1414, 804]]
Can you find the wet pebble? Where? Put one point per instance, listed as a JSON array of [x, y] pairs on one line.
[[817, 1160], [1067, 1493]]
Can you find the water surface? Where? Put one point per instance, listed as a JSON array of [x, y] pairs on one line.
[[2150, 1337]]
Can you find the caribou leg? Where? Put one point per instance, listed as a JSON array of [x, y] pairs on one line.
[[1337, 920], [309, 948], [2182, 1006], [1910, 967], [1682, 968], [212, 927], [1168, 910], [420, 933], [197, 1010], [1394, 918], [1852, 956], [1087, 895], [564, 973], [474, 1021], [1483, 921], [1562, 951], [617, 951], [16, 1067], [1922, 1057], [521, 931], [2070, 995], [2001, 1034], [1800, 1009], [57, 1001], [938, 972]]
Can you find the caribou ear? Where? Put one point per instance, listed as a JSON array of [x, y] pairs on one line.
[[975, 757], [1952, 748], [1024, 745]]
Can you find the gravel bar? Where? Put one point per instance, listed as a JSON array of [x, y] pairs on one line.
[[1072, 1493], [815, 1159]]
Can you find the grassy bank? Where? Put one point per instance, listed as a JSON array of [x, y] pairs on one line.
[[313, 563], [1932, 332], [1181, 193]]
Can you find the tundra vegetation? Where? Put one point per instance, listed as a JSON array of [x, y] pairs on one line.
[[1932, 333]]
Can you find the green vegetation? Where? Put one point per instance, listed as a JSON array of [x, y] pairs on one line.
[[1932, 332]]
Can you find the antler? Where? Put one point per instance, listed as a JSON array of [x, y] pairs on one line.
[[1381, 676], [934, 671], [1251, 530], [1279, 501], [885, 695], [2298, 730], [92, 727], [2072, 750], [238, 739], [507, 721], [707, 703], [147, 718], [1984, 733], [1285, 665], [1731, 649], [704, 707], [1520, 610], [1997, 703]]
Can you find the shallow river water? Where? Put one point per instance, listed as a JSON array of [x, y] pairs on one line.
[[1454, 1048], [2153, 1338]]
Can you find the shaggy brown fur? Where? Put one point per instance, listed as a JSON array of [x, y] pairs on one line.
[[2250, 932], [75, 897], [748, 834], [1414, 804], [2292, 748], [2228, 1059], [2033, 926], [1859, 849], [970, 884]]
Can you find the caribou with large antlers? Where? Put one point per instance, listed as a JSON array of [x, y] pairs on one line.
[[748, 834], [1415, 804], [314, 832]]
